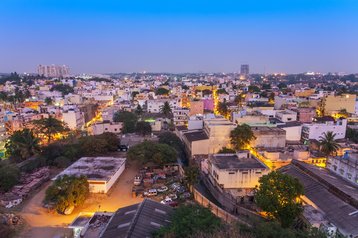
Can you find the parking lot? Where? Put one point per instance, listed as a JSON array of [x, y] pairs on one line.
[[162, 184]]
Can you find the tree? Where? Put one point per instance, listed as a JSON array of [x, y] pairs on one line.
[[253, 89], [226, 150], [129, 120], [282, 85], [143, 128], [223, 109], [352, 134], [139, 110], [277, 195], [22, 145], [162, 91], [63, 88], [92, 146], [149, 152], [221, 91], [190, 219], [48, 101], [50, 127], [241, 137], [166, 109], [9, 175], [66, 192], [191, 175], [171, 139], [328, 144]]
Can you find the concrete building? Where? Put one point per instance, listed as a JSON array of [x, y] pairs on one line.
[[245, 70], [305, 114], [293, 130], [287, 116], [180, 116], [236, 171], [74, 119], [345, 166], [196, 143], [55, 71], [196, 107], [106, 126], [101, 172], [3, 134], [268, 137], [321, 125], [334, 103], [155, 105]]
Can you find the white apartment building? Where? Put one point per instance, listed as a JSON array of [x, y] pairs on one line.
[[74, 119], [155, 105], [56, 71], [323, 125], [236, 171], [180, 116], [345, 166]]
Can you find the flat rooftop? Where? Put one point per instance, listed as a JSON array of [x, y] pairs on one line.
[[196, 135], [233, 161], [95, 168], [268, 130]]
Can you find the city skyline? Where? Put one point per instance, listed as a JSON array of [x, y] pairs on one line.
[[136, 36]]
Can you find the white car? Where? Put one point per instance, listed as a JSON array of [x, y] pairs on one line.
[[151, 192]]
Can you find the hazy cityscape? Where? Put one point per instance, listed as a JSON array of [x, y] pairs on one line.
[[182, 119]]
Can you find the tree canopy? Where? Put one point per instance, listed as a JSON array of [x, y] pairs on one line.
[[22, 145], [226, 150], [143, 128], [63, 88], [277, 195], [188, 220], [129, 120], [162, 91], [328, 144], [166, 109], [9, 175], [241, 137], [151, 152], [67, 191], [50, 127]]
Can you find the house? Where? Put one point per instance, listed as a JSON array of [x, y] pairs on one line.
[[321, 125], [345, 166], [236, 171], [106, 126]]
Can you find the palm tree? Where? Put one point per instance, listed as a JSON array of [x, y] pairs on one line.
[[166, 110], [22, 144], [49, 127], [328, 143]]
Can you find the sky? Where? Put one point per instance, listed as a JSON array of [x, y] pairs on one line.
[[107, 36]]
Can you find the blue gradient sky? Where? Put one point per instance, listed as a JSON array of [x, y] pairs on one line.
[[179, 35]]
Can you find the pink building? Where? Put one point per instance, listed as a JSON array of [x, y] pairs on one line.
[[305, 114], [208, 104]]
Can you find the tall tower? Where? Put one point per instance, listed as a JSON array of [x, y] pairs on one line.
[[244, 70]]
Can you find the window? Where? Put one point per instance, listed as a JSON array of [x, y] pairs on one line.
[[231, 172]]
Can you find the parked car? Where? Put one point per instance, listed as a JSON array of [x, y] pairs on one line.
[[137, 180], [185, 195], [123, 148], [151, 193], [174, 186], [173, 196], [169, 201], [181, 189], [162, 189]]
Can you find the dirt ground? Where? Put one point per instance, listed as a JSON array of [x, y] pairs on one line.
[[43, 223]]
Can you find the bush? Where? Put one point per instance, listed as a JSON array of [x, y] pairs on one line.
[[9, 175], [62, 162], [66, 192]]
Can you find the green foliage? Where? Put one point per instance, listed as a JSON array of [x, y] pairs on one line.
[[67, 191], [129, 120], [9, 175], [166, 109], [48, 101], [328, 143], [352, 134], [188, 220], [174, 141], [134, 94], [49, 127], [266, 86], [6, 231], [62, 162], [139, 110], [226, 150], [277, 195], [191, 175], [63, 88], [282, 85], [221, 91], [161, 91], [152, 152], [22, 145], [92, 146], [253, 89], [241, 136], [223, 109], [13, 77], [143, 128]]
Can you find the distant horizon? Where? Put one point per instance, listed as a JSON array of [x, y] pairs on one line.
[[180, 36]]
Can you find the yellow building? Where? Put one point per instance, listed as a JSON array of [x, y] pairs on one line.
[[332, 104]]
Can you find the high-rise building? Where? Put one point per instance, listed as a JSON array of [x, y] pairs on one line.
[[244, 70], [55, 71]]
